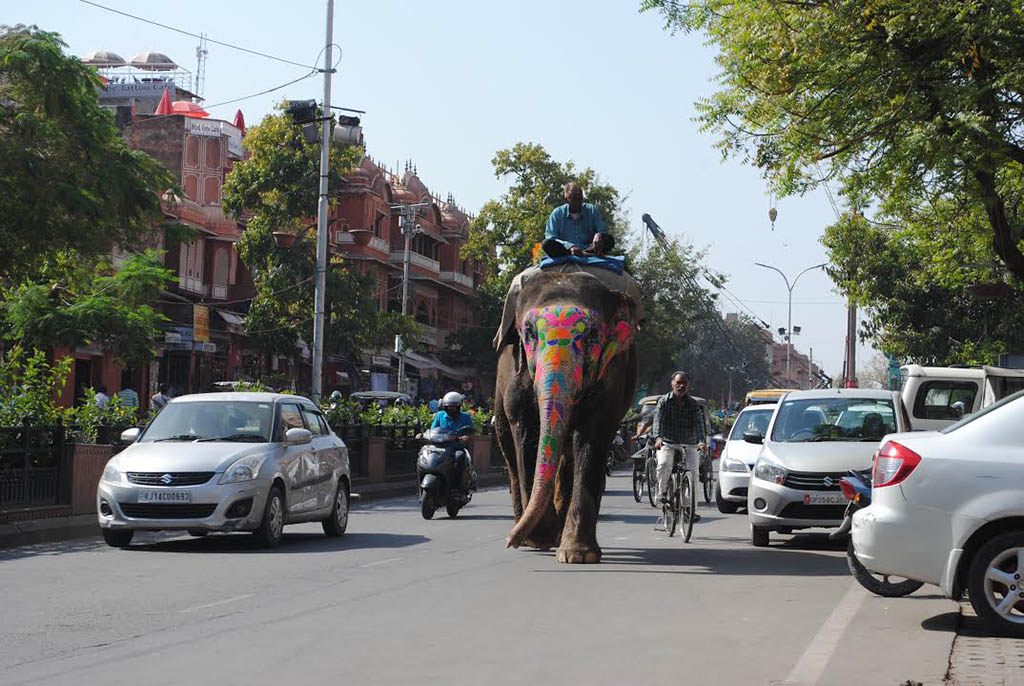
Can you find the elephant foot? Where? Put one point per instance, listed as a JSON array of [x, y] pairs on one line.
[[577, 555]]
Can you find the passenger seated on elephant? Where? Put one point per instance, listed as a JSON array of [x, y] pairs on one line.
[[451, 418], [576, 228]]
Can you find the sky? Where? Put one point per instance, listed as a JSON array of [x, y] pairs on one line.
[[448, 83]]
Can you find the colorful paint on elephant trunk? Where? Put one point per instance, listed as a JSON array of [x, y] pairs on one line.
[[567, 349]]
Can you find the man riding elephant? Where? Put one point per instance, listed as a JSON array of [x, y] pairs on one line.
[[566, 376]]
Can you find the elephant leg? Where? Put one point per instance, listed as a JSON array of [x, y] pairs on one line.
[[579, 535], [507, 445]]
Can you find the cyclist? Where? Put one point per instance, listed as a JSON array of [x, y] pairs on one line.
[[678, 428]]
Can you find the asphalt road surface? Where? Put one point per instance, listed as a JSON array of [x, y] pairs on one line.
[[401, 600]]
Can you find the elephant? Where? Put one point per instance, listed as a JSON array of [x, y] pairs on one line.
[[566, 376]]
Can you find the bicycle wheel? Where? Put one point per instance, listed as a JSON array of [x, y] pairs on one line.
[[638, 484], [671, 508], [688, 506], [652, 481], [709, 480]]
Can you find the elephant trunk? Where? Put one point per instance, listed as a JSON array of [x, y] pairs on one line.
[[557, 355]]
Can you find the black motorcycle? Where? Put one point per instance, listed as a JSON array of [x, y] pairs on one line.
[[857, 489], [435, 471]]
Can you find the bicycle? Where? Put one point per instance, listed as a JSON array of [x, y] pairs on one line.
[[644, 465], [681, 503], [707, 476]]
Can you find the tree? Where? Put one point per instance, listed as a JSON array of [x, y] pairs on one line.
[[68, 183], [906, 102], [277, 188], [93, 303], [874, 372]]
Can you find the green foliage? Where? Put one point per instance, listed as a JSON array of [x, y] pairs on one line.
[[506, 230], [277, 185], [903, 103], [29, 386], [92, 304], [68, 183], [86, 419]]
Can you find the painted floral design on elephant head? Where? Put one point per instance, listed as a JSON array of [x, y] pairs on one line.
[[567, 349]]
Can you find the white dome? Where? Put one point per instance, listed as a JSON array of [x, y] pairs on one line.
[[156, 61]]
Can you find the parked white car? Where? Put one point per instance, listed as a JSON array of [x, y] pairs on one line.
[[815, 438], [947, 508], [227, 462], [738, 457], [938, 396]]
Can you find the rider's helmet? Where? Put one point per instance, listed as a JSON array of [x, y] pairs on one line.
[[451, 399], [336, 397]]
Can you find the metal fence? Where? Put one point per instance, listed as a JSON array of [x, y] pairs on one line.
[[402, 449], [31, 467], [355, 436]]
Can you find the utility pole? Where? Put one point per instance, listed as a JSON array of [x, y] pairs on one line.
[[321, 214], [789, 317], [851, 346], [407, 224]]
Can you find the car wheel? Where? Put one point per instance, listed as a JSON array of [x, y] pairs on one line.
[[271, 527], [759, 536], [118, 538], [994, 584], [879, 584], [724, 506], [198, 533], [337, 521]]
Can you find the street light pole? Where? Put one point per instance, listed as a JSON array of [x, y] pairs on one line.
[[789, 316], [321, 214], [407, 224]]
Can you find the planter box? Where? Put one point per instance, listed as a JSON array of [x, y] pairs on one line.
[[480, 449], [87, 463]]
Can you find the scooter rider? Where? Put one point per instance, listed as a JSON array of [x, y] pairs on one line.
[[678, 428], [451, 418]]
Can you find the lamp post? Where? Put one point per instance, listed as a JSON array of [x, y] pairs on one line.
[[789, 317]]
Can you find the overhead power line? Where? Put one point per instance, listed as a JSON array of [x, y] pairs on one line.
[[196, 35]]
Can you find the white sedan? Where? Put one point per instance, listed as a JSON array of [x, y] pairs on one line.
[[739, 456], [948, 509]]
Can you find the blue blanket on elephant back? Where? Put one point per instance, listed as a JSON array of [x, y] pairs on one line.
[[611, 262]]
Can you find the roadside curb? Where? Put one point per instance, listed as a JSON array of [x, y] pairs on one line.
[[54, 530]]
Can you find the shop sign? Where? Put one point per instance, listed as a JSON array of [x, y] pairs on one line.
[[172, 337], [204, 347], [146, 90], [216, 129], [201, 323], [380, 361]]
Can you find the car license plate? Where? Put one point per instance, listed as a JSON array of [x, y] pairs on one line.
[[165, 496], [824, 499]]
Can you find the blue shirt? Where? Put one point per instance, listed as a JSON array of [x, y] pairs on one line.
[[572, 232], [462, 421]]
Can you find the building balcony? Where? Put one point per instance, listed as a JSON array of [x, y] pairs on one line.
[[457, 278], [378, 244], [417, 259]]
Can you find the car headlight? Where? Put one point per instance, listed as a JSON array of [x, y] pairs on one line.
[[769, 471], [111, 474], [243, 469], [730, 464]]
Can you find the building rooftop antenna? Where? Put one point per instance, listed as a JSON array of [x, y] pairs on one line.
[[201, 53]]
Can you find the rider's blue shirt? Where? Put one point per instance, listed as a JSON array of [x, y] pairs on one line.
[[572, 231], [460, 422]]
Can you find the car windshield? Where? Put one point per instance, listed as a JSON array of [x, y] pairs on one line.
[[751, 420], [834, 419], [212, 420]]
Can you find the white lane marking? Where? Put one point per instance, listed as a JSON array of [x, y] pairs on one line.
[[381, 562], [814, 660], [219, 602]]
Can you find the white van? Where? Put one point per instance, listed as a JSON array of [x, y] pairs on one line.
[[931, 394]]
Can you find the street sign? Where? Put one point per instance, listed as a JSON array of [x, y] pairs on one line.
[[380, 361]]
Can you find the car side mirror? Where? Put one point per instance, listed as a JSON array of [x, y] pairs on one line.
[[753, 437], [958, 408], [298, 436], [130, 435]]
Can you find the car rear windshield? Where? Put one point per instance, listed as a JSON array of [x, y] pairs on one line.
[[834, 419], [977, 415], [750, 420], [211, 420]]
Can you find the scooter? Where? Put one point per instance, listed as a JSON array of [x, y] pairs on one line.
[[435, 471], [857, 489]]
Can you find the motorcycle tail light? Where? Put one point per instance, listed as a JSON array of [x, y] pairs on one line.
[[894, 463], [848, 491]]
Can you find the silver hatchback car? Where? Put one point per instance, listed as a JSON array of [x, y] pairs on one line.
[[227, 462]]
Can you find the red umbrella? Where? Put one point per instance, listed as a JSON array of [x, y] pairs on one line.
[[165, 103], [189, 109], [239, 121]]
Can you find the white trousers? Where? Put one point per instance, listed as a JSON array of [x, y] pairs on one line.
[[666, 460]]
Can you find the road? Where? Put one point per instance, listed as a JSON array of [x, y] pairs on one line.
[[402, 600]]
